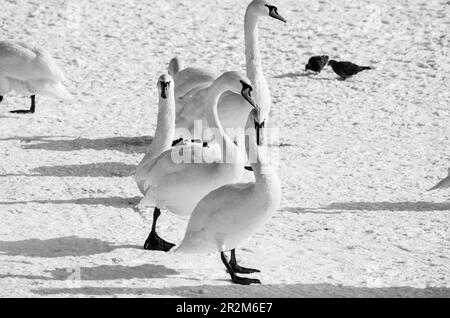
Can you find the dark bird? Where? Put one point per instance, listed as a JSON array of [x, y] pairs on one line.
[[346, 69], [316, 63]]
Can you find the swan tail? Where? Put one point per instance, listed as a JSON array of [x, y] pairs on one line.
[[193, 244], [175, 65], [56, 90], [441, 185]]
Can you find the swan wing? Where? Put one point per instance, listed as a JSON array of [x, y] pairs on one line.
[[185, 158], [192, 77], [24, 62]]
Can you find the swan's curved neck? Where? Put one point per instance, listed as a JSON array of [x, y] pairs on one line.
[[165, 128], [229, 149]]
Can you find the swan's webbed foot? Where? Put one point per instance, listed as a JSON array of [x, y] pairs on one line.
[[1, 98], [26, 111], [22, 111], [155, 243], [235, 278], [239, 269], [248, 168], [244, 281], [243, 270]]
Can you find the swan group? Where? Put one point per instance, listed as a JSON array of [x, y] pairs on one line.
[[232, 111], [194, 165], [178, 185], [207, 186]]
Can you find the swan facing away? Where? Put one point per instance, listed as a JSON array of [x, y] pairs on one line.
[[445, 183], [29, 70], [229, 215], [188, 81], [177, 185]]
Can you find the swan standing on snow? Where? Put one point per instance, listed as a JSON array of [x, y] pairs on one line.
[[445, 183], [29, 70], [229, 215], [178, 186], [232, 114]]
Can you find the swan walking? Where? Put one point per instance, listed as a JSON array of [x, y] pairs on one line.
[[232, 114], [178, 185], [229, 215], [29, 70]]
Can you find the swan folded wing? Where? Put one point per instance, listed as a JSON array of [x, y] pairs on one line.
[[23, 62], [213, 208], [211, 226], [192, 77]]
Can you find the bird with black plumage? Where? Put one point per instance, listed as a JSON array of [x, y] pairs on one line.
[[316, 63], [346, 69]]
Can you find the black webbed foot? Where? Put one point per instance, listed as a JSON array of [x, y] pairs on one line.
[[243, 270], [239, 269], [155, 243], [244, 281], [22, 111], [232, 265]]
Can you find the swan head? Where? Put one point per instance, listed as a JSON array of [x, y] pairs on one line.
[[175, 65], [262, 8], [165, 86], [239, 84]]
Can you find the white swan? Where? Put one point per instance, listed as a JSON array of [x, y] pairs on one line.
[[232, 114], [228, 216], [29, 70], [178, 186], [445, 183]]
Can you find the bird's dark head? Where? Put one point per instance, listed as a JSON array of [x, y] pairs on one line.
[[331, 62], [307, 66]]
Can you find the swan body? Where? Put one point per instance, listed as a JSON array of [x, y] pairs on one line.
[[178, 186], [232, 111], [30, 70], [229, 215], [190, 78]]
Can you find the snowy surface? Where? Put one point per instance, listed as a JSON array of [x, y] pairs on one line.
[[356, 156]]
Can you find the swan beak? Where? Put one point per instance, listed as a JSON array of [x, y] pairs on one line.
[[274, 14], [248, 97], [164, 89], [260, 132]]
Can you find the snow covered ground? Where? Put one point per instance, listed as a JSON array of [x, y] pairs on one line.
[[356, 156]]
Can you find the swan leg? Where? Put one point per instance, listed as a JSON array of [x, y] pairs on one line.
[[238, 269], [27, 111], [235, 278], [154, 242]]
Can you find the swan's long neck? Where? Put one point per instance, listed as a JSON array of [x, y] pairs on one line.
[[253, 60], [229, 149], [165, 128], [267, 182]]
